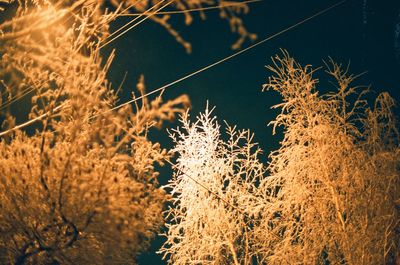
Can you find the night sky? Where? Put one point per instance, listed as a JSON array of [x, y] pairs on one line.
[[363, 32]]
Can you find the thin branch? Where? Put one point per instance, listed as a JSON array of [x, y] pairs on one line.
[[229, 4]]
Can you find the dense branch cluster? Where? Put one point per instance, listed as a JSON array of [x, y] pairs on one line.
[[81, 189], [213, 186], [332, 191], [336, 174]]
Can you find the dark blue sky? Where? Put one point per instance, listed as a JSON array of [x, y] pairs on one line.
[[364, 32]]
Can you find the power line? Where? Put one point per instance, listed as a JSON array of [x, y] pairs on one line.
[[225, 59], [193, 73]]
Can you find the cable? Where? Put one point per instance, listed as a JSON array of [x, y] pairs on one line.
[[134, 25], [225, 59], [193, 73]]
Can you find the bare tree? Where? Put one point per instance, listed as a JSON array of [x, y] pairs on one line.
[[332, 194], [335, 179], [82, 189], [214, 183]]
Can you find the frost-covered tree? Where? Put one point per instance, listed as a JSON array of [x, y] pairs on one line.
[[214, 183], [335, 178], [82, 188], [333, 191]]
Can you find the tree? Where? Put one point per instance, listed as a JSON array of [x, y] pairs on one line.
[[332, 194], [81, 189], [213, 186], [335, 178]]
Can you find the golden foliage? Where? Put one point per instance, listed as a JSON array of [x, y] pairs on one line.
[[83, 188], [332, 194], [336, 176]]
